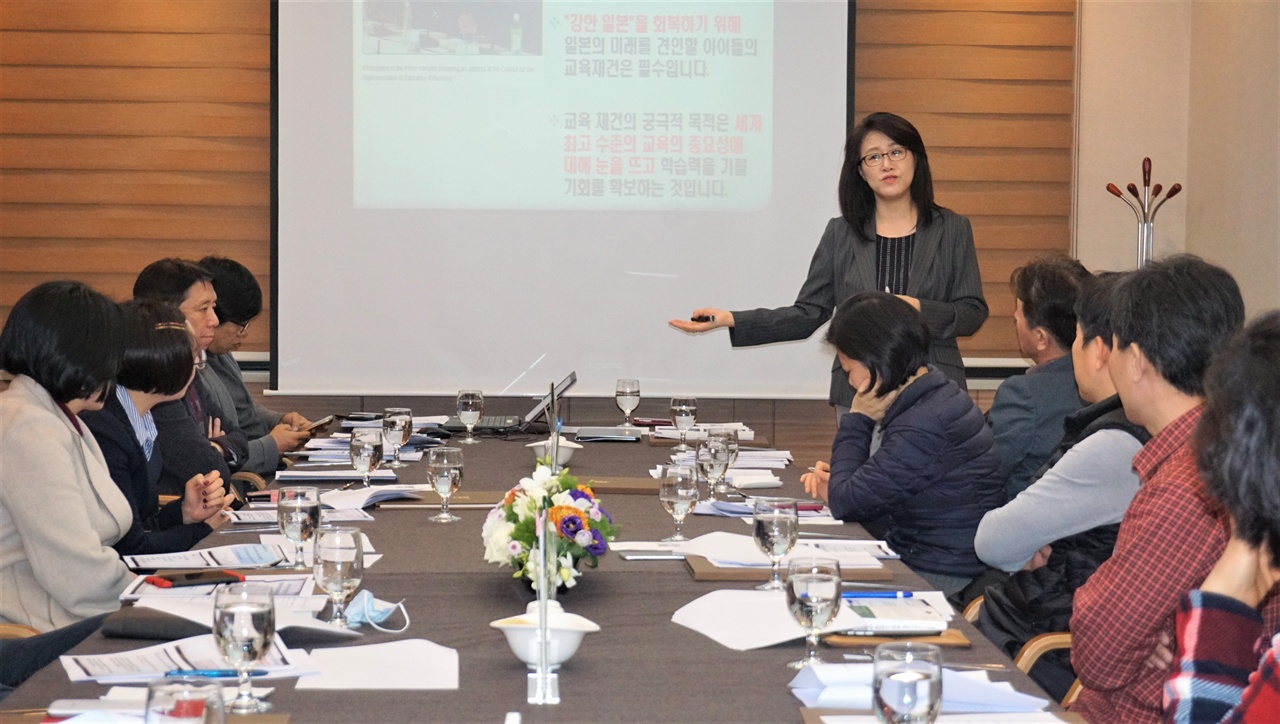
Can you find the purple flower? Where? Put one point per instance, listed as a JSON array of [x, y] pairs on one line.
[[594, 513], [579, 495], [599, 546], [570, 525], [606, 515]]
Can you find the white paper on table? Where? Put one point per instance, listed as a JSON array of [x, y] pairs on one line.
[[742, 464], [357, 498], [260, 516], [728, 509], [731, 550], [331, 474], [848, 686], [407, 664], [196, 652], [1036, 717], [407, 454], [308, 547], [876, 548], [202, 612], [329, 443], [418, 421], [138, 694], [745, 620], [240, 555], [285, 586], [643, 546]]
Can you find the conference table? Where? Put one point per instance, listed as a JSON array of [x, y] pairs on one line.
[[639, 667]]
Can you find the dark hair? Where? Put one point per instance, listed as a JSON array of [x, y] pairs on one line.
[[158, 351], [168, 280], [66, 337], [887, 335], [1093, 306], [1238, 439], [857, 200], [239, 294], [1048, 287], [1179, 310]]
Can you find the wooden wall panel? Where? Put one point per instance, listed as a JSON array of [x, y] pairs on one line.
[[132, 130], [989, 84], [136, 129]]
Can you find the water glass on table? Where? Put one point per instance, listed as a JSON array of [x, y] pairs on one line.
[[907, 683], [813, 596], [366, 451], [444, 472], [298, 516], [627, 396], [775, 527], [470, 408], [712, 457], [244, 627], [397, 426], [678, 493], [191, 699], [339, 567], [684, 412]]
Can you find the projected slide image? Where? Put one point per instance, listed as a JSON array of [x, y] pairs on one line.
[[460, 27], [627, 105]]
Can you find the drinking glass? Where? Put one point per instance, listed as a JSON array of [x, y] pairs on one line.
[[813, 595], [470, 408], [244, 626], [192, 699], [678, 492], [366, 450], [397, 426], [907, 688], [444, 472], [730, 436], [627, 395], [712, 458], [298, 516], [339, 557], [775, 527], [684, 410]]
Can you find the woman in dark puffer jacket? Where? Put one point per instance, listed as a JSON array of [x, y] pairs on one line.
[[913, 454]]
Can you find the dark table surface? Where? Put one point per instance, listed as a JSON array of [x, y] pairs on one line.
[[639, 667]]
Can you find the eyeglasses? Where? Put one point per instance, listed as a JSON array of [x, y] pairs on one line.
[[244, 328], [200, 363], [872, 160]]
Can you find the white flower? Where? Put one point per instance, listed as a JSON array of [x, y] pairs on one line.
[[583, 504], [525, 506], [594, 513], [583, 538], [562, 498], [497, 541]]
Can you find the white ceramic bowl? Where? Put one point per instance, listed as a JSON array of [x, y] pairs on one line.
[[563, 453], [566, 630]]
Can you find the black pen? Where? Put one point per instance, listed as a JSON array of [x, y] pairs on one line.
[[703, 318]]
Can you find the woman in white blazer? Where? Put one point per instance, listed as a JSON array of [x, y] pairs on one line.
[[59, 509]]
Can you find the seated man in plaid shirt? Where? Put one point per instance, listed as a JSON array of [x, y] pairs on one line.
[[1168, 319], [1220, 631]]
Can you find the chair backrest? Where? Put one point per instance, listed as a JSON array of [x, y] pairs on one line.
[[1072, 693], [1038, 646], [16, 631], [973, 610]]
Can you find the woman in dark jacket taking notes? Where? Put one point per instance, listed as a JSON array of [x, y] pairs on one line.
[[913, 449], [890, 236]]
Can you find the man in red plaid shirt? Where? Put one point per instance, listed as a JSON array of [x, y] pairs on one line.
[[1220, 632], [1168, 319]]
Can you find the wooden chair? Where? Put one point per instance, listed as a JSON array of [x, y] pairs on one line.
[[972, 611], [16, 631], [1039, 646], [1072, 693]]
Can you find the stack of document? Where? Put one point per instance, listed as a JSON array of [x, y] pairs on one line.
[[745, 620], [419, 422], [741, 479], [848, 686], [339, 449], [895, 615], [242, 555], [275, 539], [285, 588], [265, 514], [356, 498], [731, 550], [197, 652], [700, 430], [728, 509], [332, 474], [747, 459]]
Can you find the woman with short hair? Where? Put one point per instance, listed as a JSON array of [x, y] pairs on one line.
[[158, 366], [913, 450], [59, 509]]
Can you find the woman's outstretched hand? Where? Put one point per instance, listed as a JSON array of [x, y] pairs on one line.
[[711, 319]]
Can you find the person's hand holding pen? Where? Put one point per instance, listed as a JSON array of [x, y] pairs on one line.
[[815, 482], [703, 320]]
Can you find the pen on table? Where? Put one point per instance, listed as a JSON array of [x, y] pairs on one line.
[[212, 673], [349, 485], [875, 594]]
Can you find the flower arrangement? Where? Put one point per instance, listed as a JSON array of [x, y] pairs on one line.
[[582, 528]]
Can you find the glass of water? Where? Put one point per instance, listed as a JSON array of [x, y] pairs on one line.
[[244, 628], [397, 426], [684, 411], [366, 450], [444, 472], [813, 596], [907, 685], [191, 699], [678, 492], [712, 457], [627, 395], [775, 527], [298, 516], [470, 408], [730, 437], [339, 567]]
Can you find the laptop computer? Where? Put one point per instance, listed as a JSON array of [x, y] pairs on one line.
[[512, 423]]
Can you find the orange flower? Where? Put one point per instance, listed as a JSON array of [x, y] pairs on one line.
[[588, 491], [511, 496], [559, 512]]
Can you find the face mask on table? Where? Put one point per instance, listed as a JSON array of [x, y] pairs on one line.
[[364, 608]]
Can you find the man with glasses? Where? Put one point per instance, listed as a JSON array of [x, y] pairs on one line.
[[239, 302]]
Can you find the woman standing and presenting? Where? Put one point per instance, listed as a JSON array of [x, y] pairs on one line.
[[890, 236]]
